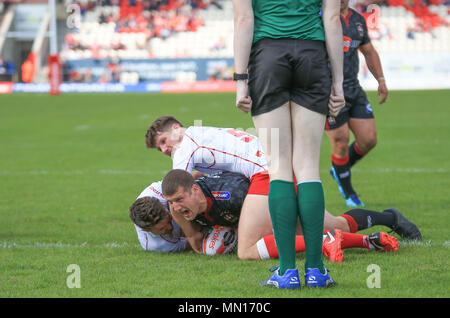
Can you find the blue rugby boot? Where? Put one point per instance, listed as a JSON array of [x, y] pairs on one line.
[[314, 278], [335, 177], [289, 280], [353, 201]]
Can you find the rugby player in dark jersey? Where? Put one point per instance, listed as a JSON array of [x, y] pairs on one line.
[[218, 199], [357, 116], [213, 200]]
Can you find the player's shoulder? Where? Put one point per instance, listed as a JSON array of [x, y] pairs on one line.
[[224, 178], [356, 15], [208, 136], [194, 131], [153, 190]]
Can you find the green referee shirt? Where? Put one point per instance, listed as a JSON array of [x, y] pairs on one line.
[[298, 19]]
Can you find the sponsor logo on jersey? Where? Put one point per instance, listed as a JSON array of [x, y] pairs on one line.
[[360, 29], [152, 188], [347, 43], [221, 195], [331, 120], [228, 217]]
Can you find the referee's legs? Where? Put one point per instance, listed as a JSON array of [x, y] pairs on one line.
[[307, 130], [275, 133]]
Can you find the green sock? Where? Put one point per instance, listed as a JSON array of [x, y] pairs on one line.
[[284, 214], [311, 204]]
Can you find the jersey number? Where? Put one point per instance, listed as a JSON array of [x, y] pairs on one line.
[[245, 137]]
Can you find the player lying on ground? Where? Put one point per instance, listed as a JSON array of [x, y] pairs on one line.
[[157, 231], [211, 149]]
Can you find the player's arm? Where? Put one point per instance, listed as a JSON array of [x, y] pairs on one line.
[[155, 243], [333, 41], [192, 233], [243, 38], [374, 64], [197, 174]]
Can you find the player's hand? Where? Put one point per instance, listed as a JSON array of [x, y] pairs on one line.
[[337, 100], [382, 91], [243, 101]]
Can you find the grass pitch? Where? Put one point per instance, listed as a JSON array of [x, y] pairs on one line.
[[72, 165]]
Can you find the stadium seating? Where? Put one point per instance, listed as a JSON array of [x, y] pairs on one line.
[[131, 29]]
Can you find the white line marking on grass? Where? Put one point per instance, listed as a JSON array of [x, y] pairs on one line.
[[144, 117], [103, 171], [402, 170], [8, 245], [40, 172], [82, 127], [76, 172], [428, 243], [140, 172]]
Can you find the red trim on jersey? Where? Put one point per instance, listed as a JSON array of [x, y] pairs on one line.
[[192, 139], [212, 155], [236, 156], [211, 150], [156, 191], [209, 204], [346, 18], [192, 154]]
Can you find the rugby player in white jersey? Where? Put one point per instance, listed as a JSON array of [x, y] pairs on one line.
[[210, 149], [156, 230]]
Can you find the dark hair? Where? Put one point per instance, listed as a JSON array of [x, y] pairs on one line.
[[147, 211], [177, 178], [160, 125]]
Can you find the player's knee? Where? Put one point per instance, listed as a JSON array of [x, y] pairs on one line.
[[368, 143], [372, 142], [340, 146], [246, 253]]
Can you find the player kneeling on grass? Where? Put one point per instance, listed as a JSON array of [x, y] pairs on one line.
[[157, 231], [213, 149]]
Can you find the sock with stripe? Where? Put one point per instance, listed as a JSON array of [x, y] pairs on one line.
[[267, 247], [361, 219], [351, 240], [284, 214], [311, 204], [342, 168], [355, 154]]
